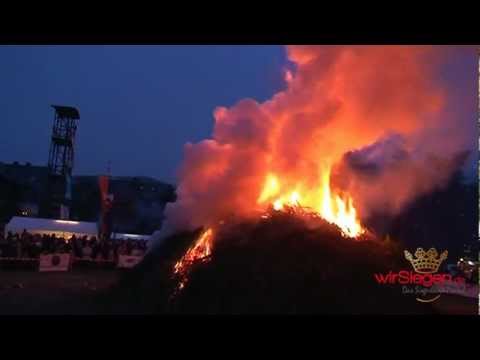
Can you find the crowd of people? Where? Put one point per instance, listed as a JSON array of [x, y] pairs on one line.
[[27, 245]]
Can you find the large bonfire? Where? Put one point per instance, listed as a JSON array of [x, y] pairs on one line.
[[322, 204], [353, 133]]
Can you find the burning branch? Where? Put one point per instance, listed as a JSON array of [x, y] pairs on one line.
[[199, 252]]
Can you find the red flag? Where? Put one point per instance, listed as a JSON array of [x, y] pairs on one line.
[[103, 183], [105, 202]]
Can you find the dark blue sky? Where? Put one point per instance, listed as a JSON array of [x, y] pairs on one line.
[[138, 104]]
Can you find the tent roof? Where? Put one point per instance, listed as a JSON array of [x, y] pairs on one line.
[[19, 223], [130, 236]]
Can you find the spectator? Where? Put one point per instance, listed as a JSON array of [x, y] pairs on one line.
[[72, 242], [59, 247], [95, 245], [111, 251], [67, 247], [129, 247], [52, 244], [104, 249], [122, 248], [137, 250], [86, 250], [27, 245], [18, 247], [43, 244], [24, 234], [10, 245], [3, 245], [37, 246]]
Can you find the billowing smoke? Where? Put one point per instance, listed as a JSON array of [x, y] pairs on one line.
[[388, 174], [377, 116]]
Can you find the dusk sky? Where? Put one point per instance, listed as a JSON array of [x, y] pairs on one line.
[[140, 104]]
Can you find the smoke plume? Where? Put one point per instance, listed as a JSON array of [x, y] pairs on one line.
[[377, 116]]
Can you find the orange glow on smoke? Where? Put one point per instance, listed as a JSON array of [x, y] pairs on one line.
[[292, 150]]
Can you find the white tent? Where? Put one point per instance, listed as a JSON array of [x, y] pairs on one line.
[[62, 228]]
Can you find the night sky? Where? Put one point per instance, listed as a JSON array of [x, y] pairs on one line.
[[140, 104]]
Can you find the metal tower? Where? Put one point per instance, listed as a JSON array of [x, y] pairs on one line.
[[60, 161]]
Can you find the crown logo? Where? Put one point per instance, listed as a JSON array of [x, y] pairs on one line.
[[426, 262]]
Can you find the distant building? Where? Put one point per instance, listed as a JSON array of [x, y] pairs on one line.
[[138, 202]]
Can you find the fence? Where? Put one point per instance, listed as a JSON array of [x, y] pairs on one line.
[[66, 261]]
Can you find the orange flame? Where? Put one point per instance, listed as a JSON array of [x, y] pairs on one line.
[[330, 206]]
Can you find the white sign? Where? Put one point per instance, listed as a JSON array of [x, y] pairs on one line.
[[128, 261], [54, 262]]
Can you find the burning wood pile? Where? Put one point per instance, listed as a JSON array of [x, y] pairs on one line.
[[279, 261], [283, 263], [291, 234], [345, 223]]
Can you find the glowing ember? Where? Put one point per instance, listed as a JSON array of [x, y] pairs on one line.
[[330, 206]]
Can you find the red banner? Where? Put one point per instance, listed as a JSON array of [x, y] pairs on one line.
[[103, 183], [106, 202]]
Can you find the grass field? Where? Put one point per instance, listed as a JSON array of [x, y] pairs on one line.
[[24, 292], [87, 292]]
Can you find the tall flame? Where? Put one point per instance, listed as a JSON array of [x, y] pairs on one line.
[[332, 207]]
